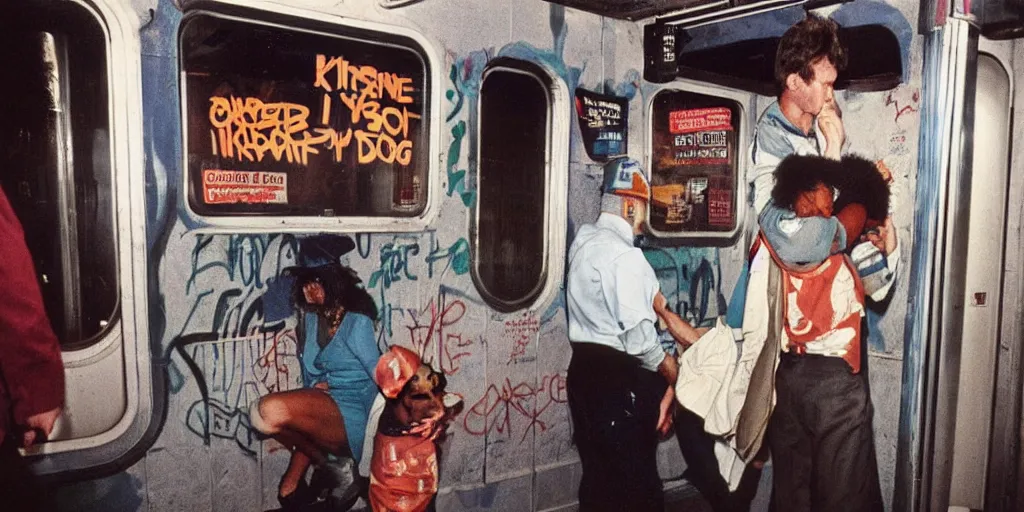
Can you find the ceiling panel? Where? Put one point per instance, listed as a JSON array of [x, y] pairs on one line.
[[632, 9]]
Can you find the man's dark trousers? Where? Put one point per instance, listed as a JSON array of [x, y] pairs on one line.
[[822, 444], [614, 404]]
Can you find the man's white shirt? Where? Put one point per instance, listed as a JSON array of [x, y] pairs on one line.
[[610, 291]]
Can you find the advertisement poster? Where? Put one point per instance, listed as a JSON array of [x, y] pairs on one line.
[[602, 124], [720, 204], [701, 136], [700, 119], [693, 164]]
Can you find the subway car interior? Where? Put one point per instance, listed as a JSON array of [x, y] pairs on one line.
[[172, 162]]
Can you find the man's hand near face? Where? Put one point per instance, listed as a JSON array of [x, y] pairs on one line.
[[831, 125]]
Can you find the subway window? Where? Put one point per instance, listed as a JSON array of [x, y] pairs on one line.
[[55, 161], [695, 159], [299, 121], [510, 252]]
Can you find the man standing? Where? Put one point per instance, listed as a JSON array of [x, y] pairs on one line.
[[620, 380], [815, 388], [806, 121], [807, 63], [31, 372]]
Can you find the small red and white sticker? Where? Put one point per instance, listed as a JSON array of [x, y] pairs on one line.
[[249, 187]]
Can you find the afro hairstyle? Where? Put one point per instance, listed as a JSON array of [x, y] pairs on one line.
[[856, 180]]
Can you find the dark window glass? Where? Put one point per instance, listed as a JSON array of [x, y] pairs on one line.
[[694, 163], [510, 256], [55, 161], [288, 122]]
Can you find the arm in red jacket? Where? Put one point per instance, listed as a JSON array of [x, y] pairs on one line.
[[30, 356]]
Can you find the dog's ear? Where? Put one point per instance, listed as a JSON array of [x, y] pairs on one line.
[[440, 381]]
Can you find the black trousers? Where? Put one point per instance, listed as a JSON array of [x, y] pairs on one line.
[[19, 490], [822, 445], [614, 406], [698, 448]]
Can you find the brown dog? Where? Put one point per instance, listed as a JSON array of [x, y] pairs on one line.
[[403, 470]]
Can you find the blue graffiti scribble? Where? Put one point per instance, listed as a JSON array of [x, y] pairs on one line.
[[629, 86], [553, 309], [363, 241], [457, 177], [554, 61], [445, 290], [468, 73], [387, 321], [243, 258], [455, 256], [454, 95], [394, 263], [690, 280]]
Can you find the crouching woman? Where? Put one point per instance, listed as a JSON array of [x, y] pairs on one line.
[[339, 354]]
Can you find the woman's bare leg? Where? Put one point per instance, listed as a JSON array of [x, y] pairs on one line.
[[306, 420], [310, 413], [299, 443], [296, 471]]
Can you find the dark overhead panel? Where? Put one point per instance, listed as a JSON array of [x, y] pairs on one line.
[[740, 53], [637, 9], [873, 62]]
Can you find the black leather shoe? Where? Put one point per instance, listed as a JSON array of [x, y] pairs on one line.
[[298, 499], [336, 482]]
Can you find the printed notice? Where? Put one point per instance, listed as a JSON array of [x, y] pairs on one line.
[[250, 187], [699, 120], [720, 207], [602, 124], [695, 164]]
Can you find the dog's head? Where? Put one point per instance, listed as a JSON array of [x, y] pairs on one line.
[[422, 396], [414, 390]]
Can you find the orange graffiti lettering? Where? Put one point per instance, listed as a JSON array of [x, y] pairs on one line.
[[367, 80], [373, 146], [336, 141], [248, 129], [251, 129]]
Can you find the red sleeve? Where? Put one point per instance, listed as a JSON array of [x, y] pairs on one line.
[[852, 217], [30, 358]]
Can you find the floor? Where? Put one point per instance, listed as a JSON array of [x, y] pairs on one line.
[[685, 498]]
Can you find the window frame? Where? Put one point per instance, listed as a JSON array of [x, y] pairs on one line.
[[65, 193], [744, 134], [285, 18], [126, 338], [556, 186]]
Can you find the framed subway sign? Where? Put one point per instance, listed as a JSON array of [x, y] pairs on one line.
[[290, 120], [696, 158]]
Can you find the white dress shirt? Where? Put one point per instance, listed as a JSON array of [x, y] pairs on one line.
[[610, 291]]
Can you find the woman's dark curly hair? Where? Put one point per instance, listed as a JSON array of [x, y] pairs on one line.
[[342, 287], [856, 179]]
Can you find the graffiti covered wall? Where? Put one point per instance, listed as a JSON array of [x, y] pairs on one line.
[[221, 317], [222, 320]]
